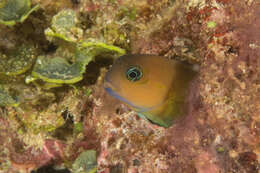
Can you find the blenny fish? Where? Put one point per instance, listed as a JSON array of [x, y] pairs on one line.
[[154, 86]]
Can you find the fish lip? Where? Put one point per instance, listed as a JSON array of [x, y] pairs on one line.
[[110, 90]]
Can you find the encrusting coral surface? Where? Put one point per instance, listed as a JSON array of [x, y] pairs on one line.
[[48, 124]]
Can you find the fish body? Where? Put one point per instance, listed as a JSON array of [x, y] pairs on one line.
[[153, 86]]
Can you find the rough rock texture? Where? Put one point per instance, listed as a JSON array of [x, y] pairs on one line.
[[219, 134]]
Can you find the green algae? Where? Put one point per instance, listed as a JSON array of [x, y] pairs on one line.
[[221, 150], [13, 11], [211, 24], [116, 33], [64, 26], [131, 13], [78, 127], [6, 99], [37, 123], [86, 162], [16, 61], [95, 48], [58, 70], [88, 92]]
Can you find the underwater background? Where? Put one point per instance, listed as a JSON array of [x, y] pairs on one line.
[[55, 115]]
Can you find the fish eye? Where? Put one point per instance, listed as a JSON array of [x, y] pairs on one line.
[[134, 74]]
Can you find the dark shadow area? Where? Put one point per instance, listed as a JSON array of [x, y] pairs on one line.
[[50, 169], [93, 69]]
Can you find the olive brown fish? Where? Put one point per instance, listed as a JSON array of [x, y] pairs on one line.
[[155, 87]]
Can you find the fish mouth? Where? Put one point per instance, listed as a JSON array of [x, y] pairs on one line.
[[111, 90]]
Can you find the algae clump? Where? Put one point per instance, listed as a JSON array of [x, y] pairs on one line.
[[63, 26], [6, 99], [13, 11], [86, 162], [58, 70], [16, 61]]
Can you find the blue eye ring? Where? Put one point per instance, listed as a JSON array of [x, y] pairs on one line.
[[134, 73]]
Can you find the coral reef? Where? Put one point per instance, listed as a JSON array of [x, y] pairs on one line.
[[54, 110]]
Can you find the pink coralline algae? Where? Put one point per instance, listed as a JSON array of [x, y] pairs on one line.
[[52, 152], [221, 130]]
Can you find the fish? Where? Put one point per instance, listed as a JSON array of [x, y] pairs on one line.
[[153, 86]]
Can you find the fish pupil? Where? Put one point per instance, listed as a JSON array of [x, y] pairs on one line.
[[134, 74]]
